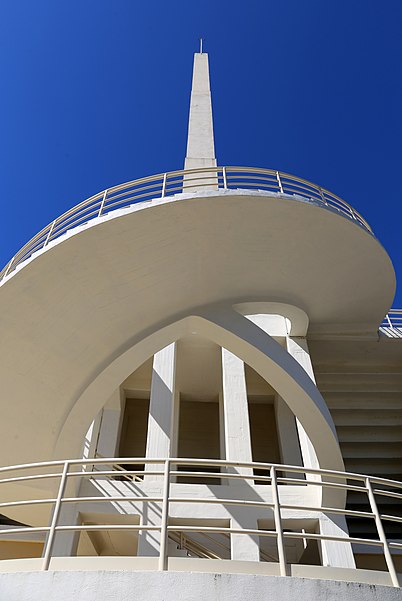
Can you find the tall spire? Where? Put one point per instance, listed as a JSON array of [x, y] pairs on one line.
[[200, 141]]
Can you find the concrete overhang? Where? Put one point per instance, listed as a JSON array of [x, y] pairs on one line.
[[69, 310]]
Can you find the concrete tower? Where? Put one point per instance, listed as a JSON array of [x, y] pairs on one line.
[[199, 367]]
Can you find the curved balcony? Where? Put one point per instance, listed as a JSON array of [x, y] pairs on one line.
[[163, 498], [177, 182]]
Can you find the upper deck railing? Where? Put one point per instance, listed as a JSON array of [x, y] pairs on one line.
[[163, 494], [391, 325], [175, 182]]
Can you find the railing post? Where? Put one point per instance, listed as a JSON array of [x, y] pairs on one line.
[[278, 523], [50, 233], [225, 181], [8, 267], [56, 512], [322, 196], [102, 204], [164, 185], [279, 182], [163, 559], [381, 535]]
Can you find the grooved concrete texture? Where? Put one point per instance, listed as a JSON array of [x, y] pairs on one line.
[[170, 586]]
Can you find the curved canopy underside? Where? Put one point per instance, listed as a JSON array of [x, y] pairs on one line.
[[77, 306]]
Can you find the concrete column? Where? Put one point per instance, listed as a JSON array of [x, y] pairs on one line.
[[159, 440], [297, 347], [238, 448], [65, 543], [287, 426], [334, 554], [160, 421], [288, 437], [235, 408], [110, 427], [91, 438]]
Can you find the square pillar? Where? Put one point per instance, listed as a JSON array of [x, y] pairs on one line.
[[159, 441], [335, 554], [160, 420], [238, 448]]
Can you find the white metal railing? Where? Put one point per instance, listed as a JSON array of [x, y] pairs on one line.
[[175, 182], [391, 325], [167, 470]]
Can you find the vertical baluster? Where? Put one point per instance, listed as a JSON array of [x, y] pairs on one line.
[[8, 267], [381, 534], [279, 182], [50, 232], [102, 204], [278, 523], [164, 185], [56, 512], [163, 559], [322, 195], [225, 181]]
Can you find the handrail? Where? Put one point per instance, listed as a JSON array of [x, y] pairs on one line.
[[136, 491], [173, 182]]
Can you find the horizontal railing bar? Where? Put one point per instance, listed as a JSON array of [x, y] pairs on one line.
[[299, 482], [259, 185], [108, 499], [133, 190], [385, 482], [28, 478], [27, 502], [124, 204], [234, 169], [219, 475], [268, 178], [206, 462], [351, 512], [63, 227], [221, 501], [342, 539], [197, 186], [85, 527], [207, 177], [391, 518], [388, 493], [311, 189], [195, 170], [25, 529], [117, 472], [221, 530]]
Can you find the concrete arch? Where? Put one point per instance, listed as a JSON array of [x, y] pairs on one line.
[[231, 330]]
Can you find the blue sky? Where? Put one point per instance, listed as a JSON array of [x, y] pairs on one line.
[[96, 92]]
